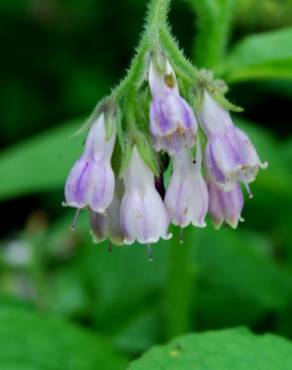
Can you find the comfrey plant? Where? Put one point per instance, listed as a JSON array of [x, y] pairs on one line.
[[166, 116]]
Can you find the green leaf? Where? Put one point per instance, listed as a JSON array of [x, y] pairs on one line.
[[234, 349], [238, 280], [32, 341], [41, 163], [263, 56]]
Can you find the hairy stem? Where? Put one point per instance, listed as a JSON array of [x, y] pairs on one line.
[[156, 20]]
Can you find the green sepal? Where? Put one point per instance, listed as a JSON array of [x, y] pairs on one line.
[[110, 124], [112, 116], [125, 157], [147, 153], [145, 150], [217, 89], [158, 59], [224, 102], [98, 109], [197, 98]]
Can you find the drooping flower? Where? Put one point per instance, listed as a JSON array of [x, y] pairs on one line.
[[225, 206], [143, 214], [91, 181], [107, 225], [230, 155], [173, 124], [187, 196]]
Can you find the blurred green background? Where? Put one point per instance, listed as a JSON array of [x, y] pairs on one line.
[[68, 304]]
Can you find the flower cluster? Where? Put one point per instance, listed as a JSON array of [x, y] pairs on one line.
[[204, 178]]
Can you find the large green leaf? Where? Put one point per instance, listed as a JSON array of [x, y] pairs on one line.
[[40, 163], [238, 280], [235, 349], [32, 341], [263, 56]]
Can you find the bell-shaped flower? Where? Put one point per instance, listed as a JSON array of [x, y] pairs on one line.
[[107, 225], [91, 181], [143, 214], [187, 196], [230, 155], [225, 206], [173, 124]]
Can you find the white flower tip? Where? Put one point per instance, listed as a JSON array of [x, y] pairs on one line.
[[100, 210], [264, 165], [234, 223], [217, 224], [168, 236], [200, 224], [128, 241], [153, 240], [94, 239]]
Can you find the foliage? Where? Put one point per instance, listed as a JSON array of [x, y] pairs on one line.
[[264, 56], [33, 341], [228, 349]]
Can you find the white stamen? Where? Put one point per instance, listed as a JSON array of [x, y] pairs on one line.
[[149, 252], [75, 219], [250, 194], [181, 236], [110, 247]]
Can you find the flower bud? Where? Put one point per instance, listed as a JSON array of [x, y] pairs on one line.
[[172, 122], [230, 155], [91, 181], [143, 214], [225, 206]]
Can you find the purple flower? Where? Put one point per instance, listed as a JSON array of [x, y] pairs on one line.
[[187, 195], [91, 181], [107, 225], [172, 122], [230, 155], [225, 206], [143, 214]]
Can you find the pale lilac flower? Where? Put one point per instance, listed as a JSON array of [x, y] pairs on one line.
[[230, 155], [91, 181], [107, 225], [187, 197], [225, 206], [173, 124], [143, 214]]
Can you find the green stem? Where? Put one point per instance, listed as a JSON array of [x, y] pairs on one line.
[[157, 14], [213, 26], [156, 19], [183, 66], [180, 287]]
